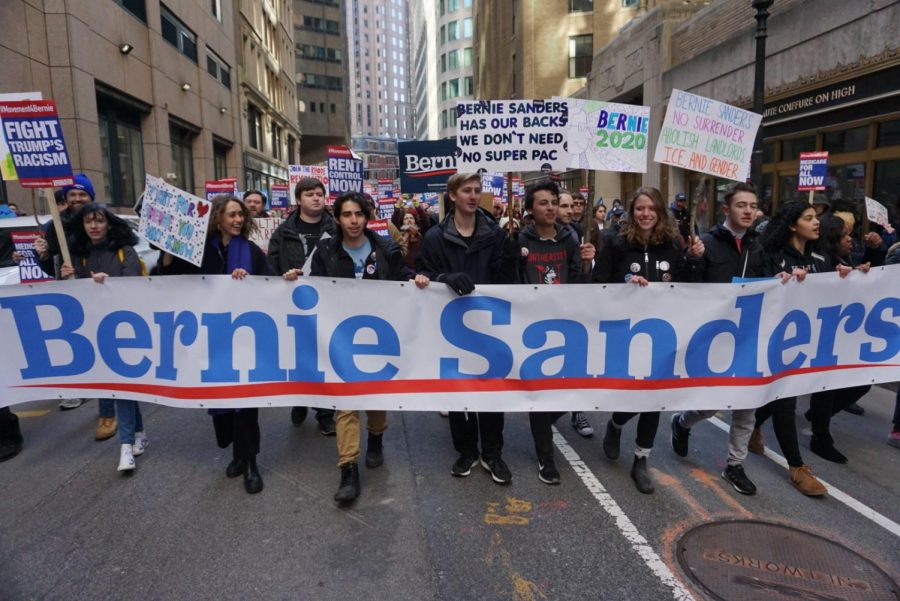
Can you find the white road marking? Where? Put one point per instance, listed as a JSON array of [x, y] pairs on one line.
[[623, 523], [839, 495]]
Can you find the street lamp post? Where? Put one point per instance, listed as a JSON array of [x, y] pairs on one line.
[[759, 89]]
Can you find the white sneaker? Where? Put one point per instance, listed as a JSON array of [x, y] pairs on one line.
[[140, 444], [126, 458], [67, 404]]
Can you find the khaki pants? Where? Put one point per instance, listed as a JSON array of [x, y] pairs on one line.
[[348, 432]]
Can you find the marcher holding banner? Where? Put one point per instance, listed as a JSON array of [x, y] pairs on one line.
[[357, 252], [551, 254], [228, 250], [76, 196], [787, 250], [647, 249], [102, 246], [291, 248], [726, 254], [468, 248]]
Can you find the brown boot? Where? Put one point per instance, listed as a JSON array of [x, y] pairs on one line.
[[803, 480], [106, 428], [756, 445]]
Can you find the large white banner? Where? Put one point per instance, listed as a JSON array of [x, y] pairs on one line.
[[188, 341]]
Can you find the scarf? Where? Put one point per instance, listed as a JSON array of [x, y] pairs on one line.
[[237, 253]]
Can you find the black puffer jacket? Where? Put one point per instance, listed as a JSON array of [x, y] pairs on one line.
[[665, 262], [765, 264], [722, 260], [444, 251], [287, 250], [332, 260]]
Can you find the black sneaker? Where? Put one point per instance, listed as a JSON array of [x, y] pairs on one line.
[[824, 448], [463, 466], [734, 475], [298, 414], [855, 409], [581, 424], [326, 425], [498, 470], [547, 472], [680, 436]]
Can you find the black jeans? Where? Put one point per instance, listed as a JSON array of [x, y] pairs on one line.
[[542, 432], [785, 424], [823, 405], [466, 427], [9, 427], [648, 424], [241, 428]]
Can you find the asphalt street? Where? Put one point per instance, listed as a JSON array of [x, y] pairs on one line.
[[73, 528]]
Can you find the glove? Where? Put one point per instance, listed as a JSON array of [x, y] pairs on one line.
[[460, 283]]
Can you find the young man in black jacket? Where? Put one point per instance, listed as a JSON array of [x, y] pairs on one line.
[[727, 253], [291, 249], [551, 254], [357, 252], [468, 248]]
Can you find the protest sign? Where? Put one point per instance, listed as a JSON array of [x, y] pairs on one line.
[[813, 171], [511, 135], [877, 212], [380, 227], [7, 168], [494, 184], [432, 199], [345, 172], [280, 197], [385, 207], [607, 136], [426, 166], [708, 136], [35, 140], [220, 186], [210, 341], [298, 172], [265, 227], [174, 220], [385, 188], [29, 267]]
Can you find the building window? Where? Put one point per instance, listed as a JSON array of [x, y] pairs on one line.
[[581, 51], [847, 140], [791, 149], [135, 7], [467, 57], [254, 127], [441, 5], [443, 63], [176, 33], [453, 88], [276, 141], [452, 59], [122, 151], [452, 5], [630, 3], [583, 6], [888, 134], [321, 25], [216, 67], [220, 159], [467, 27], [216, 9], [452, 31], [322, 82], [443, 35], [182, 144], [469, 86]]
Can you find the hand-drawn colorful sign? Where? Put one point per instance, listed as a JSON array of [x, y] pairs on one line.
[[607, 136], [174, 220]]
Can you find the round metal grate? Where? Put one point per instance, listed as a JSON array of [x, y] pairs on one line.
[[746, 560]]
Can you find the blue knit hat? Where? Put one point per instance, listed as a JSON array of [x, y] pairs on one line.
[[82, 182]]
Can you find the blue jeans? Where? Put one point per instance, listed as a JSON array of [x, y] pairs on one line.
[[130, 420], [107, 407]]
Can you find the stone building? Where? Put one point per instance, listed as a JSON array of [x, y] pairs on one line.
[[320, 62], [832, 83], [140, 88]]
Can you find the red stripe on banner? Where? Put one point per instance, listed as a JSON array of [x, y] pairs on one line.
[[432, 173], [339, 389]]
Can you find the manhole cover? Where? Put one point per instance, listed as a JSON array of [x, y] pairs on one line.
[[756, 561]]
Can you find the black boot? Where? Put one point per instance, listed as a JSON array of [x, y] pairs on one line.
[[823, 446], [374, 451], [611, 440], [640, 476], [349, 488], [236, 467], [253, 482]]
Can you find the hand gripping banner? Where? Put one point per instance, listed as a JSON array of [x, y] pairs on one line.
[[209, 341]]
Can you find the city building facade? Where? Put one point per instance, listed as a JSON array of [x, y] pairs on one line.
[[378, 67], [455, 57], [268, 91], [832, 83], [140, 87], [321, 67], [423, 32]]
